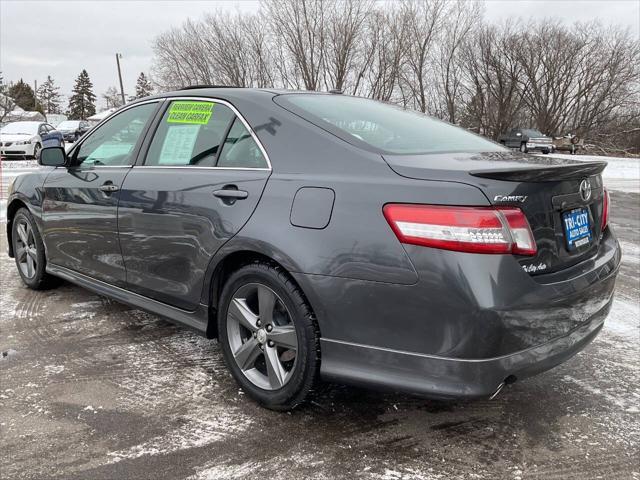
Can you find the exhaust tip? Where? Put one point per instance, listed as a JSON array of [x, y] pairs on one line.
[[507, 381]]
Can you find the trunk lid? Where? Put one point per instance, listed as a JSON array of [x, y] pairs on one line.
[[547, 190]]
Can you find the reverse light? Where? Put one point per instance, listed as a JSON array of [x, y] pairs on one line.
[[464, 229], [606, 201]]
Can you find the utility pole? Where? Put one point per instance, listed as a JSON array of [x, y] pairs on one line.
[[118, 57]]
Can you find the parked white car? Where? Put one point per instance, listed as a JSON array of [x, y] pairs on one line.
[[23, 140]]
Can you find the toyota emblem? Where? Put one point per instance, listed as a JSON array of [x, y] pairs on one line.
[[585, 189]]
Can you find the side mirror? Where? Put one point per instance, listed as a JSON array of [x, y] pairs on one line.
[[53, 157]]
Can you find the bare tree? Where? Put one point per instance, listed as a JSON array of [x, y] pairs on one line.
[[345, 31], [300, 26], [494, 79], [385, 41], [460, 19], [423, 23], [436, 56]]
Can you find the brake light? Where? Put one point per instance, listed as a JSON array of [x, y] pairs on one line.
[[464, 229], [605, 210]]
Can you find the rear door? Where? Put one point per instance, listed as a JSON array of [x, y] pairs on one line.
[[80, 204], [201, 180]]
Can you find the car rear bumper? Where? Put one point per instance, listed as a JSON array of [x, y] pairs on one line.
[[471, 322], [440, 377]]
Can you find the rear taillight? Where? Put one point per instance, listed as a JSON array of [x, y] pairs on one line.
[[465, 229], [605, 210]]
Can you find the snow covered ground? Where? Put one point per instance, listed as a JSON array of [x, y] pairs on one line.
[[621, 174]]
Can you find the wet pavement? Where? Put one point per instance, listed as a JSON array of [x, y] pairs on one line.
[[93, 389]]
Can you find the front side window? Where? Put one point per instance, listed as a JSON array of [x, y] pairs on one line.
[[383, 127], [190, 134], [114, 142]]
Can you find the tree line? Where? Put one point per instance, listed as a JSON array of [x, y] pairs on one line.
[[440, 57], [47, 98]]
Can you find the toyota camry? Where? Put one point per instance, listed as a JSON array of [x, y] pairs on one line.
[[327, 237]]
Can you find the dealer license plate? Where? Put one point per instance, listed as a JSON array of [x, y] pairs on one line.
[[577, 227]]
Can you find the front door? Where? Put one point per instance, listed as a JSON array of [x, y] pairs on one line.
[[81, 201], [200, 182]]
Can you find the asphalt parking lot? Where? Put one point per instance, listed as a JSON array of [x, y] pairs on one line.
[[93, 389]]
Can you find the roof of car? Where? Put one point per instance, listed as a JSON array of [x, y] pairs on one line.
[[222, 91]]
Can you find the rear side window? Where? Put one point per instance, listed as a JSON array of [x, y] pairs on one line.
[[240, 149], [190, 134], [383, 127]]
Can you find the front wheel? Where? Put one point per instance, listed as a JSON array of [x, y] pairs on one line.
[[28, 251], [269, 336], [36, 151], [523, 147]]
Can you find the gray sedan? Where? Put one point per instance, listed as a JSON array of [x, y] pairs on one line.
[[323, 236]]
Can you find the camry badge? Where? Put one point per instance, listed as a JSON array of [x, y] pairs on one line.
[[585, 189], [510, 198]]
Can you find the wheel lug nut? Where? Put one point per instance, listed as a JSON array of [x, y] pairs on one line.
[[270, 343], [255, 334], [258, 323], [269, 328]]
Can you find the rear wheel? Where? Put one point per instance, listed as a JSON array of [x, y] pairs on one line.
[[523, 147], [268, 335], [28, 251]]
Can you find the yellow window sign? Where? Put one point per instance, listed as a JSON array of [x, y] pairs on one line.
[[197, 113]]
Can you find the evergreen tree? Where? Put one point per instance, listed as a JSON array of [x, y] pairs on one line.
[[82, 102], [49, 96], [23, 95], [143, 86]]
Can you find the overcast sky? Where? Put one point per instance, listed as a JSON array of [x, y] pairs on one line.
[[60, 38]]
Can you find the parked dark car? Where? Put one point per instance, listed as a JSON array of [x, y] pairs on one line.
[[24, 140], [327, 236], [73, 129], [527, 140]]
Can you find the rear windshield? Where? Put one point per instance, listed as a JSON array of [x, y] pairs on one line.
[[383, 127]]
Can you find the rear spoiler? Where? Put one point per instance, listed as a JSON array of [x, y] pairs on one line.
[[543, 173]]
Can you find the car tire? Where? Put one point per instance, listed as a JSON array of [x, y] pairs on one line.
[[546, 151], [31, 262], [264, 375], [36, 151], [523, 148]]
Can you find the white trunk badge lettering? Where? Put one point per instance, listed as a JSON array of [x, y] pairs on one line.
[[510, 198], [534, 268]]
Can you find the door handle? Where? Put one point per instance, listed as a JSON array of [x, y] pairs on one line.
[[231, 193], [109, 188]]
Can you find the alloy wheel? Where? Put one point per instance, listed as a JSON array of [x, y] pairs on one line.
[[26, 250], [262, 336]]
